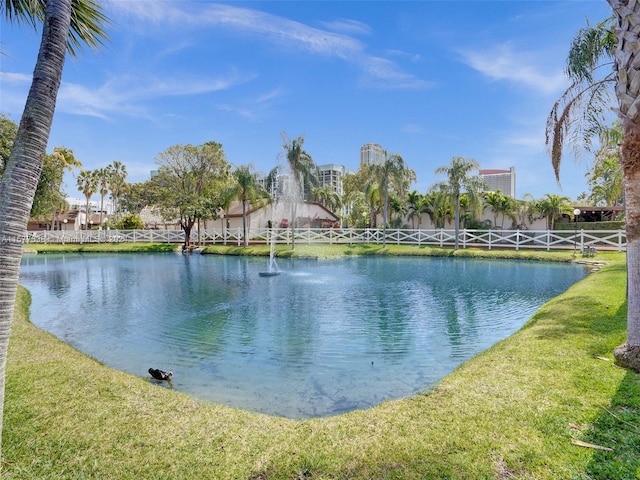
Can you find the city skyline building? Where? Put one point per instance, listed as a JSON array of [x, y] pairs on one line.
[[371, 154]]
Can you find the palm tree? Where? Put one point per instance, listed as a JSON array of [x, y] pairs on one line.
[[627, 78], [87, 184], [302, 166], [66, 24], [303, 172], [414, 199], [327, 196], [552, 207], [438, 206], [580, 113], [460, 178], [605, 178], [247, 189], [117, 177], [103, 175]]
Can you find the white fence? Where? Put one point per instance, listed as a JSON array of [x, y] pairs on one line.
[[613, 240]]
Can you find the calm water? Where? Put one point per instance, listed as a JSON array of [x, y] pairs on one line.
[[322, 338]]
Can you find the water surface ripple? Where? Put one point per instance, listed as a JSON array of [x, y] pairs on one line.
[[322, 338]]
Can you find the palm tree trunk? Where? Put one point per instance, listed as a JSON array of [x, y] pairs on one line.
[[628, 93], [25, 165], [456, 226], [244, 223]]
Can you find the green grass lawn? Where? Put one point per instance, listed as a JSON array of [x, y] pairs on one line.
[[512, 412]]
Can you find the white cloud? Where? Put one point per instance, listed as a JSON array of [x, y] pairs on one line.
[[523, 68], [278, 30], [126, 95], [347, 26]]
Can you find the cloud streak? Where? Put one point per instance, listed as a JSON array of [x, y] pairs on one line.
[[380, 72], [503, 63]]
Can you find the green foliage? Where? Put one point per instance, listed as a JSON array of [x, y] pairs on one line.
[[129, 222], [8, 130], [191, 183], [88, 22], [611, 225]]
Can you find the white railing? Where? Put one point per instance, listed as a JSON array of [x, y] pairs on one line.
[[614, 240]]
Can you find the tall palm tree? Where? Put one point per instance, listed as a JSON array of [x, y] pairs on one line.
[[304, 175], [87, 184], [414, 200], [247, 189], [627, 33], [391, 173], [302, 166], [103, 175], [117, 177], [65, 24], [461, 174]]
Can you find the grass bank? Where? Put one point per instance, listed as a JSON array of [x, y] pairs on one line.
[[316, 251], [515, 411]]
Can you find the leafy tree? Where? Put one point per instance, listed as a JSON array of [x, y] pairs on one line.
[[627, 77], [130, 222], [190, 182], [357, 209], [462, 176], [8, 130], [87, 182], [245, 187], [136, 196], [67, 24], [49, 198]]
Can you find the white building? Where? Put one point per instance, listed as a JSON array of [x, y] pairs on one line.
[[332, 174], [371, 154], [503, 180]]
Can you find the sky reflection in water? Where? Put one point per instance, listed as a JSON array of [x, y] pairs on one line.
[[322, 338]]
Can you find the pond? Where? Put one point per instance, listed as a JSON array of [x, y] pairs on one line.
[[322, 338]]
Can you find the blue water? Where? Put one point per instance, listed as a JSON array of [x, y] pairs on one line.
[[321, 338]]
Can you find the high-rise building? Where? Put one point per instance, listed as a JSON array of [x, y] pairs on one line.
[[332, 174], [503, 180], [371, 154]]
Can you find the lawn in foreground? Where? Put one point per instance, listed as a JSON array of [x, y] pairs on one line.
[[511, 412]]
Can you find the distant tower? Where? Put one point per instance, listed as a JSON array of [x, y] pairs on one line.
[[503, 180], [371, 154]]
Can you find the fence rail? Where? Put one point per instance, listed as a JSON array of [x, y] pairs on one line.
[[612, 240]]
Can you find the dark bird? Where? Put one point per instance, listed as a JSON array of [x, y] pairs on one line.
[[160, 375]]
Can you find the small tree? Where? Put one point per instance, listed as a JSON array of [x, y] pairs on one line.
[[188, 178]]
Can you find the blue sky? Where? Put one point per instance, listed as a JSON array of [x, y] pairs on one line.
[[429, 80]]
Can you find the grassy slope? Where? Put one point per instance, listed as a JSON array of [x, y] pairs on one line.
[[508, 413]]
